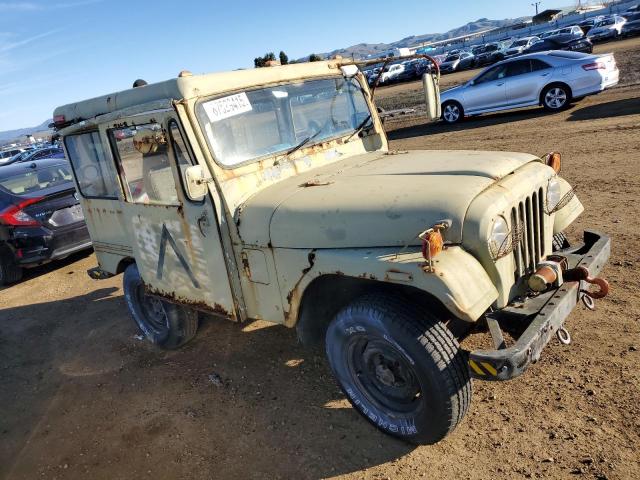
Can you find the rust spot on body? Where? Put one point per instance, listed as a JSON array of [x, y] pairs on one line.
[[199, 305]]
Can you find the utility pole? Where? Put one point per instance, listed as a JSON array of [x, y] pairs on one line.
[[536, 5]]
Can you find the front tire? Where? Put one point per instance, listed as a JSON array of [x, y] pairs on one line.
[[452, 112], [556, 98], [400, 367], [164, 324]]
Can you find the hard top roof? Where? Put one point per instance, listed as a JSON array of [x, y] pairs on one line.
[[187, 87]]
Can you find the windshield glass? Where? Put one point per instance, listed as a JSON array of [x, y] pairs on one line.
[[248, 125], [604, 23], [31, 181], [452, 58], [519, 43]]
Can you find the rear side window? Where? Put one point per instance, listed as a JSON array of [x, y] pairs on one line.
[[539, 65], [143, 152], [94, 172], [519, 67], [32, 181]]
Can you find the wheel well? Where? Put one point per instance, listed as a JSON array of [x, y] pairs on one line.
[[124, 263], [326, 295], [555, 84]]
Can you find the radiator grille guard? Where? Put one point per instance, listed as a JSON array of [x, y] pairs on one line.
[[528, 228]]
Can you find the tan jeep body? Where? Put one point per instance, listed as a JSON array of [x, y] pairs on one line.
[[334, 209]]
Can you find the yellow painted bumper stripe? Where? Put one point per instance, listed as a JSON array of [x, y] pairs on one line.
[[489, 368], [476, 368]]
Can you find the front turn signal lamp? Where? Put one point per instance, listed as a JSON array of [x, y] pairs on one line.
[[554, 160]]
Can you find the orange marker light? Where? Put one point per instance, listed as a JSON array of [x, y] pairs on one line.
[[432, 243], [554, 160]]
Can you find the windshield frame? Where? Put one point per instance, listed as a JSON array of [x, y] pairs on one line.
[[281, 153]]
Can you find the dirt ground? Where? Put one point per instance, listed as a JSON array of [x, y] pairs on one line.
[[81, 397]]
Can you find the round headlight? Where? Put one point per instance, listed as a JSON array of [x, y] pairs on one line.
[[498, 236], [554, 194]]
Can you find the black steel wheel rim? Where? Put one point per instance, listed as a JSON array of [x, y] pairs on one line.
[[153, 313], [384, 374]]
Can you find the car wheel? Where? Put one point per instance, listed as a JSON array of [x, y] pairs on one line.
[[556, 97], [164, 324], [400, 367], [452, 112], [10, 271]]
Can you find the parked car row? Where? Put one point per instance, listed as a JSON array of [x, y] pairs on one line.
[[577, 38], [399, 71]]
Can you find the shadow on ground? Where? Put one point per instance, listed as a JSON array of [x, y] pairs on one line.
[[34, 272], [617, 108], [469, 123], [240, 401]]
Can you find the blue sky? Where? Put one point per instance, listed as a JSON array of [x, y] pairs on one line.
[[58, 51]]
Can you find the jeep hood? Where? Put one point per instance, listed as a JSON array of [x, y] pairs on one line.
[[373, 200]]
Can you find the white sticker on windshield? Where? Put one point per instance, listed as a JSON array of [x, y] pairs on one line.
[[226, 107]]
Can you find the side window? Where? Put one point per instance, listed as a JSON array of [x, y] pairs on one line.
[[180, 150], [537, 65], [93, 170], [519, 67], [146, 169], [494, 73]]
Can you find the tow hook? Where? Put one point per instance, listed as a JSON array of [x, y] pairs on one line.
[[581, 274]]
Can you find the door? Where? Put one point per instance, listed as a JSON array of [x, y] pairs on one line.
[[175, 241], [525, 79], [487, 91]]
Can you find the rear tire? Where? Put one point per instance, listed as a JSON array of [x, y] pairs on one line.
[[164, 324], [400, 367], [452, 112], [10, 271], [556, 97]]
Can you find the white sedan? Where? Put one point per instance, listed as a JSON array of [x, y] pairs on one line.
[[609, 27], [551, 79]]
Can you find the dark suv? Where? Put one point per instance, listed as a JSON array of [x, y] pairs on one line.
[[490, 54], [40, 216]]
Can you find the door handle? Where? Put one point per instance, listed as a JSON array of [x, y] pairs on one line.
[[499, 84], [544, 74]]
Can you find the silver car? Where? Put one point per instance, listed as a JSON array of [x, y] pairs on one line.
[[520, 45], [551, 79], [607, 28]]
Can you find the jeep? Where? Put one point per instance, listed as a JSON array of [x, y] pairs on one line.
[[271, 194]]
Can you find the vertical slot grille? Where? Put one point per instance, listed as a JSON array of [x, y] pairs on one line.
[[527, 219]]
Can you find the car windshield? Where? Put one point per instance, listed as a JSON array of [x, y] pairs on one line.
[[32, 181], [452, 58], [491, 48], [519, 43], [251, 124], [604, 23]]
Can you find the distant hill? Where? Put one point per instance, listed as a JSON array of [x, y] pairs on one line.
[[363, 49], [42, 129]]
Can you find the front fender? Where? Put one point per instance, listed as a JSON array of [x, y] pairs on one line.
[[458, 280], [569, 212]]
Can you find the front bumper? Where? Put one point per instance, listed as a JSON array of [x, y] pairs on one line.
[[541, 316]]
